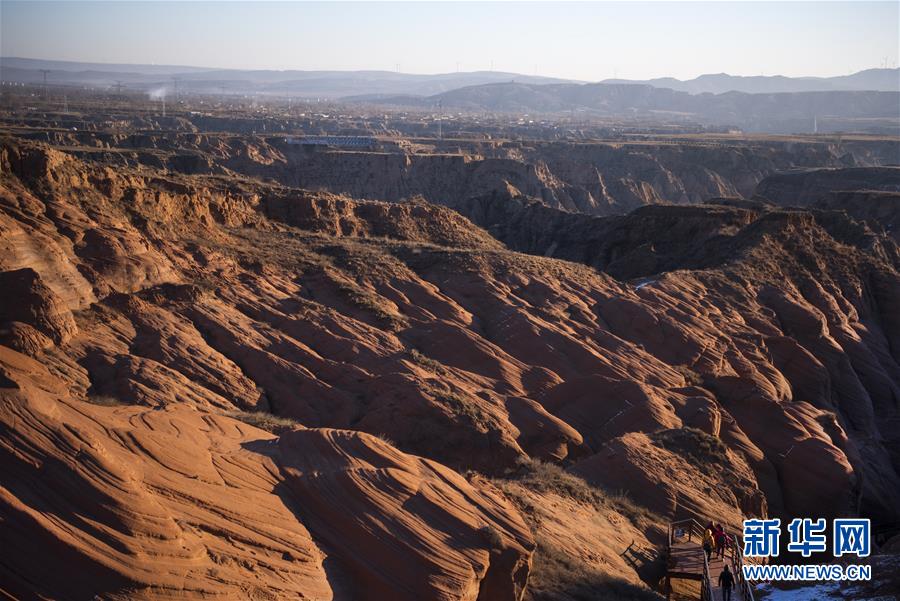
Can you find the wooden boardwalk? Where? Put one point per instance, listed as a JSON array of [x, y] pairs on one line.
[[686, 560]]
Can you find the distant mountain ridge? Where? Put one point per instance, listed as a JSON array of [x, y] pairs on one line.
[[326, 84], [795, 112], [875, 80], [333, 84]]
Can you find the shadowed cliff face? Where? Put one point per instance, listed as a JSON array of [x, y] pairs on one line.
[[868, 194], [657, 239], [752, 370], [595, 178], [812, 284]]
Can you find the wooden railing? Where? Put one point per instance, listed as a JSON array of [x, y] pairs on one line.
[[743, 588], [693, 530]]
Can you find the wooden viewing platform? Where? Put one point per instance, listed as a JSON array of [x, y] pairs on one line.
[[686, 560]]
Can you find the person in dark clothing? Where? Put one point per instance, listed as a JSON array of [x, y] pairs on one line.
[[726, 583]]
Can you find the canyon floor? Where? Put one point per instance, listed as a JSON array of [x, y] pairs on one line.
[[233, 366]]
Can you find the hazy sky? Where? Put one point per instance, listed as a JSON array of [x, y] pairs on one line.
[[588, 41]]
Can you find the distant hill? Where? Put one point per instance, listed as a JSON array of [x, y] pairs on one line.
[[11, 62], [865, 101], [332, 84], [796, 112], [325, 84], [879, 80]]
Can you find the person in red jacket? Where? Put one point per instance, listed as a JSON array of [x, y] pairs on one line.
[[719, 536]]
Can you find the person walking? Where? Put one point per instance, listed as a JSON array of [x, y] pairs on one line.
[[708, 542], [726, 583], [720, 539], [729, 543]]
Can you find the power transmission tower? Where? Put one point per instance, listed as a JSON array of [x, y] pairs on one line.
[[440, 120], [45, 72]]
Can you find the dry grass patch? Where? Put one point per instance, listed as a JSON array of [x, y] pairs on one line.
[[371, 302], [492, 536], [541, 476], [427, 362], [464, 409], [105, 400], [696, 445], [691, 377], [557, 576], [265, 421]]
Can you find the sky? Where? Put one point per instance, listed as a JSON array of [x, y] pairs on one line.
[[585, 41]]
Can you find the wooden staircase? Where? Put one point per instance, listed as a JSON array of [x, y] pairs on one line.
[[686, 559]]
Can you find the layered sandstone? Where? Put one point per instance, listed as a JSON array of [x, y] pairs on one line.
[[172, 304]]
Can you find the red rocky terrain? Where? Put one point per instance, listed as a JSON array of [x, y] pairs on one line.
[[215, 385], [868, 194], [608, 176]]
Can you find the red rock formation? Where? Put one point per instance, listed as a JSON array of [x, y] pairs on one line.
[[197, 299], [29, 303], [137, 503]]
